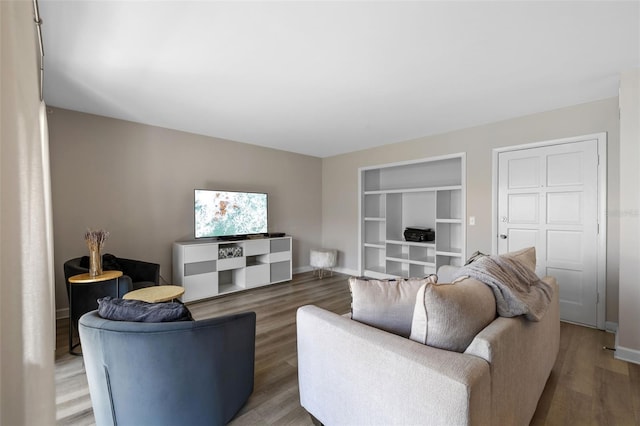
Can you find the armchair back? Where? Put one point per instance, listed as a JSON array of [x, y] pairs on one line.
[[169, 373]]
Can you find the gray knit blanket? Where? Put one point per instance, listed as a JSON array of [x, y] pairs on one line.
[[517, 289]]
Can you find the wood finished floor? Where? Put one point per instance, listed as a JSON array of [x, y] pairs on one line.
[[587, 385]]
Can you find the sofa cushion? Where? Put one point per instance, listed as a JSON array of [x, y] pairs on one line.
[[140, 311], [448, 316], [512, 277], [526, 256], [385, 304]]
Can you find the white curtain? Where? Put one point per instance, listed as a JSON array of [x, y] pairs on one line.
[[27, 318]]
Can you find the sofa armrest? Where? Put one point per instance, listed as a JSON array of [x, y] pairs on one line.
[[522, 354], [350, 373]]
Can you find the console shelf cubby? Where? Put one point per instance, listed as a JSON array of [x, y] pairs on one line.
[[426, 193], [210, 268]]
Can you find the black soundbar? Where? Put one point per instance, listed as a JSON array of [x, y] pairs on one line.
[[275, 234]]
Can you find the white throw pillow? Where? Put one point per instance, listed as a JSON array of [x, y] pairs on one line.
[[448, 316], [385, 304]]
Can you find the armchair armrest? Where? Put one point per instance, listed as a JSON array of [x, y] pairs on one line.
[[350, 373]]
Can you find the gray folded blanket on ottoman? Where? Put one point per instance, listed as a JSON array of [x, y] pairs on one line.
[[517, 289]]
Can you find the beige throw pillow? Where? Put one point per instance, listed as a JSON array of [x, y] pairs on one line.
[[526, 256], [448, 316], [385, 304]]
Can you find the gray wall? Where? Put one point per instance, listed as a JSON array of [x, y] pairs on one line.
[[340, 176], [137, 181]]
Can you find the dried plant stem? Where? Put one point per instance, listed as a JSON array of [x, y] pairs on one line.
[[95, 238]]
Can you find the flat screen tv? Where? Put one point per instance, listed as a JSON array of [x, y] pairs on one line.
[[222, 214]]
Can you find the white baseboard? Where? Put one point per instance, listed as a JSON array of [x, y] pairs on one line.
[[611, 327], [347, 271], [62, 313], [302, 269], [626, 354]]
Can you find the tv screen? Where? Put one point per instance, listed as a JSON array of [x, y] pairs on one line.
[[228, 213]]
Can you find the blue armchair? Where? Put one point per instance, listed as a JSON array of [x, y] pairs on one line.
[[169, 373]]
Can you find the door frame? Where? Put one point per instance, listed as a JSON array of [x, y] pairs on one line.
[[601, 139]]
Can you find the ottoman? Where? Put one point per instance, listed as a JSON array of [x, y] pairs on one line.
[[323, 260]]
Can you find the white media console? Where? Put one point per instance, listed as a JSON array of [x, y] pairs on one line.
[[209, 268]]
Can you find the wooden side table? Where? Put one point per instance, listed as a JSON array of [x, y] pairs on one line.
[[156, 293], [87, 279], [75, 283]]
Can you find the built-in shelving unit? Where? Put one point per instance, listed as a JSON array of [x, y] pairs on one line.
[[427, 193], [210, 268]]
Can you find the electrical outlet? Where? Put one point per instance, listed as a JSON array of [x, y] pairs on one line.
[[472, 220]]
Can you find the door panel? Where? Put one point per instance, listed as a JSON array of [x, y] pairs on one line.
[[520, 238], [570, 292], [564, 169], [524, 173], [548, 198], [565, 247], [524, 208], [564, 208]]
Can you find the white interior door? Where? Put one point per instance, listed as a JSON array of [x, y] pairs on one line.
[[548, 198]]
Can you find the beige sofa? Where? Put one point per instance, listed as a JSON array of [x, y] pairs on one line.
[[354, 374]]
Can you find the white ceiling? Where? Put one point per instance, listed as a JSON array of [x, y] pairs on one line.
[[323, 78]]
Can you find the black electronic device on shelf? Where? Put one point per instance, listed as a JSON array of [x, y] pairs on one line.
[[419, 235]]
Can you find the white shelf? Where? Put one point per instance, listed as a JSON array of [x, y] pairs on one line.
[[401, 259], [375, 245], [228, 288], [453, 252], [411, 243], [409, 261], [426, 193], [410, 190], [198, 268]]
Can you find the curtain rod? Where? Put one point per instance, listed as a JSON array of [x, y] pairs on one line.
[[38, 21]]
